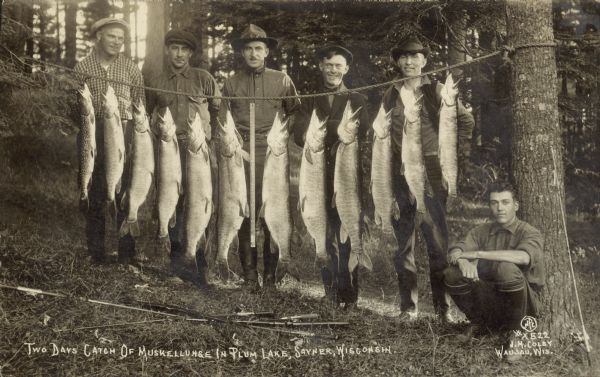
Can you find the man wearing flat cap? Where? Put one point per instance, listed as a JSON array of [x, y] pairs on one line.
[[178, 75], [256, 80], [106, 61], [334, 63], [410, 56]]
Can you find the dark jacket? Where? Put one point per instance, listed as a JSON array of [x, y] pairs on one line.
[[261, 83], [333, 114], [184, 108], [431, 104]]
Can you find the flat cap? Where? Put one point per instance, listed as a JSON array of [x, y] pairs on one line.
[[324, 51], [106, 22], [181, 36]]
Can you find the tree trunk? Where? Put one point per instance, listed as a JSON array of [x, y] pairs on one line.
[[126, 13], [58, 52], [457, 40], [27, 20], [42, 39], [70, 33], [537, 152], [157, 23]]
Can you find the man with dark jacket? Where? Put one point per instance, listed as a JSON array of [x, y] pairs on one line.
[[178, 75], [410, 56], [256, 80], [334, 63]]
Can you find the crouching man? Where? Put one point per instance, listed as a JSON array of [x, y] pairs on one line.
[[497, 272]]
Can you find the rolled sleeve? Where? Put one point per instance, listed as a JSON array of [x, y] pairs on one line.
[[532, 243], [469, 243]]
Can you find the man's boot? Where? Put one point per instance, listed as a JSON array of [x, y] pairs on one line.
[[330, 287], [270, 260]]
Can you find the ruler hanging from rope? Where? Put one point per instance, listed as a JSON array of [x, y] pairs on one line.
[[252, 174]]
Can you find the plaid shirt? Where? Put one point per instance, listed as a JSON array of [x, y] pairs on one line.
[[121, 69]]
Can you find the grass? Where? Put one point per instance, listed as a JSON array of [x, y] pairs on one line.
[[42, 246]]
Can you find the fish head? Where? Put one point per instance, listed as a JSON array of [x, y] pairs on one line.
[[382, 123], [85, 101], [315, 135], [111, 103], [412, 105], [278, 136], [140, 119], [450, 91], [166, 125], [197, 136], [228, 137], [348, 127]]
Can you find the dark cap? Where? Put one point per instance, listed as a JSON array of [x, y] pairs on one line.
[[98, 25], [253, 33], [410, 45], [324, 51], [181, 36]]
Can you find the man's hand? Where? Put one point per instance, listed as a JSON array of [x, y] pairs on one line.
[[468, 269], [453, 256]]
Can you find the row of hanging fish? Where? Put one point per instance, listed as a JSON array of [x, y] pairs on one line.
[[413, 164], [165, 170], [233, 192], [312, 186]]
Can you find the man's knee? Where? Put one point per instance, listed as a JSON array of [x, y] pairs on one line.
[[454, 281], [508, 277]]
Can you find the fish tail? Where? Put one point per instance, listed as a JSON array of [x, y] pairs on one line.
[[395, 211], [163, 245], [123, 203], [84, 204], [130, 227], [352, 263], [281, 271], [423, 216], [222, 268], [365, 261], [378, 219], [111, 207]]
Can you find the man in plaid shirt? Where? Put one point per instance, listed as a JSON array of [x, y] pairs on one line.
[[106, 61]]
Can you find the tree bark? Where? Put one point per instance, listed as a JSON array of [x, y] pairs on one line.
[[126, 14], [457, 40], [27, 20], [157, 17], [70, 33], [537, 152], [42, 38], [58, 52]]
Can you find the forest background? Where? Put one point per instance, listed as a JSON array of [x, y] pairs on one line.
[[39, 245]]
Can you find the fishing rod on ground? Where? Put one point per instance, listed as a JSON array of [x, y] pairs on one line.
[[223, 319]]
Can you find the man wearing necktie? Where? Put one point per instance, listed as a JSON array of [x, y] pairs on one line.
[[334, 63]]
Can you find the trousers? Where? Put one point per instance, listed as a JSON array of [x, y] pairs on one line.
[[248, 255], [435, 233], [95, 217], [500, 299]]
